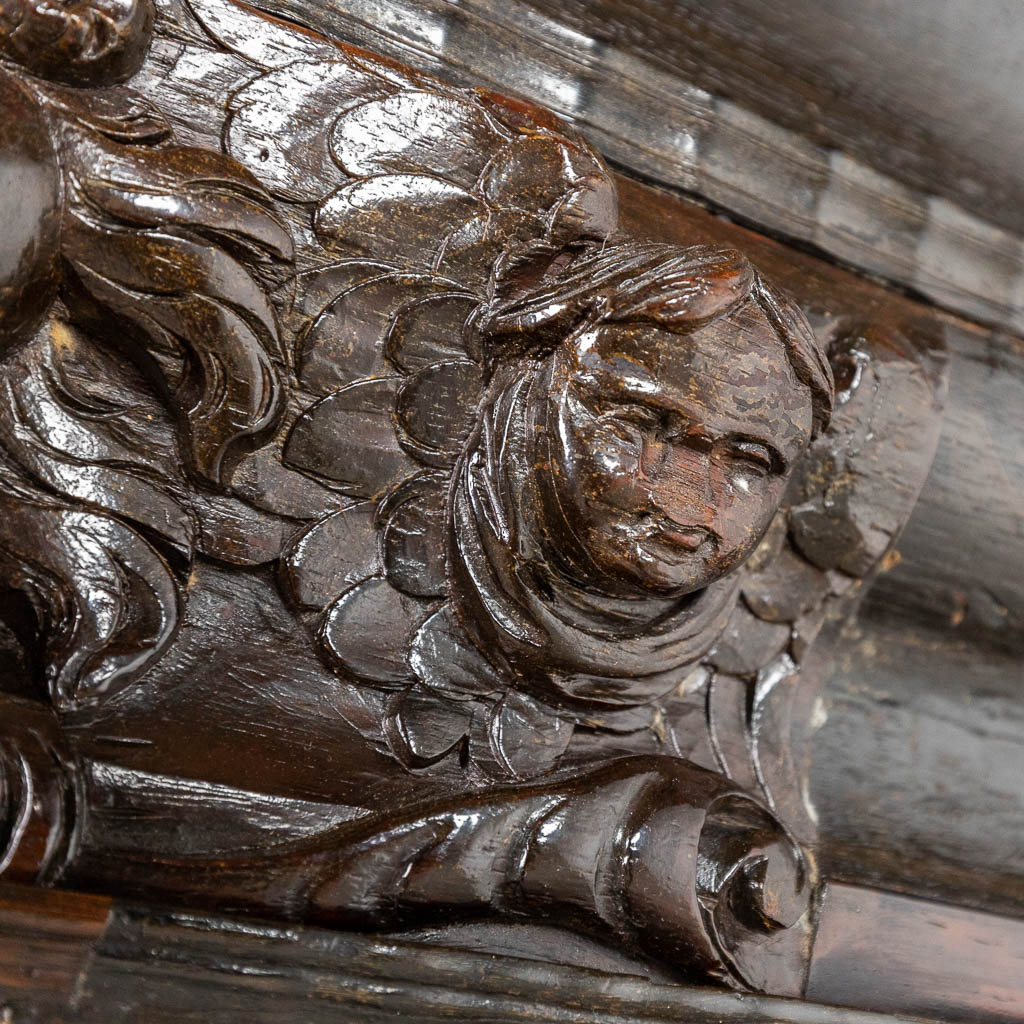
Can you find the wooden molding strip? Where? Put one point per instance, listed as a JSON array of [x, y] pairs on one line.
[[72, 961], [84, 958], [657, 125]]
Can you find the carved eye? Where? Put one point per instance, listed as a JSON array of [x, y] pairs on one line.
[[636, 416], [754, 455]]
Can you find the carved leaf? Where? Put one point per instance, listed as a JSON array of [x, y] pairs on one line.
[[118, 113], [329, 556], [368, 630], [347, 339], [186, 188], [137, 236], [321, 287], [423, 729], [400, 217], [279, 125], [469, 251], [771, 713], [105, 601], [234, 531], [861, 478], [788, 587], [729, 727], [264, 41], [432, 330], [435, 409], [413, 537], [748, 643], [262, 480], [525, 737], [565, 182], [447, 661], [416, 131], [38, 820], [590, 210], [85, 423]]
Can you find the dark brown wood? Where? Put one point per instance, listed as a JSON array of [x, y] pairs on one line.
[[937, 651], [46, 941], [409, 523], [927, 95], [954, 964], [130, 964], [813, 170]]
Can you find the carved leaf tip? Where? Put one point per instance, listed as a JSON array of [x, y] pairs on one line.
[[106, 603], [170, 242]]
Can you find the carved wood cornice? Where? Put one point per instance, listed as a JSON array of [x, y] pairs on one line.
[[658, 125], [402, 524]]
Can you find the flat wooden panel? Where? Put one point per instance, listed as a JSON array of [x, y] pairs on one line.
[[953, 964]]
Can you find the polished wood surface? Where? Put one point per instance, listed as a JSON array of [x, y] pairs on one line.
[[954, 963], [840, 188], [111, 962], [409, 523]]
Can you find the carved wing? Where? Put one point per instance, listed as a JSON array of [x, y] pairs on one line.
[[413, 193], [274, 361]]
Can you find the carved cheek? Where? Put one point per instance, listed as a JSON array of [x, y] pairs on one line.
[[599, 457], [745, 506], [616, 457]]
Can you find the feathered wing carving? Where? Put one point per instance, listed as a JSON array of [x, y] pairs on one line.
[[152, 235], [419, 191], [180, 380], [311, 404], [89, 463], [426, 202]]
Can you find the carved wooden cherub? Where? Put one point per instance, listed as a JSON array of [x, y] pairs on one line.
[[562, 511]]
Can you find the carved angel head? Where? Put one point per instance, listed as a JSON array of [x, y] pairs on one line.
[[678, 390]]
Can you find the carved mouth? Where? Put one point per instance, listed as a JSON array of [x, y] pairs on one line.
[[685, 538]]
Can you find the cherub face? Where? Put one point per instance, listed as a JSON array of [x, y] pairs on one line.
[[670, 452]]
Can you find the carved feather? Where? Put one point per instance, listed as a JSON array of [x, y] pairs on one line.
[[419, 190]]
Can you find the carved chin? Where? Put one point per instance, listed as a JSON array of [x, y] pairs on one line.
[[666, 580], [652, 567]]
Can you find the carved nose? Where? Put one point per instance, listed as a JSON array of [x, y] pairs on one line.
[[681, 486]]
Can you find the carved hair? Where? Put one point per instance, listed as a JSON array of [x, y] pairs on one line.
[[540, 296]]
